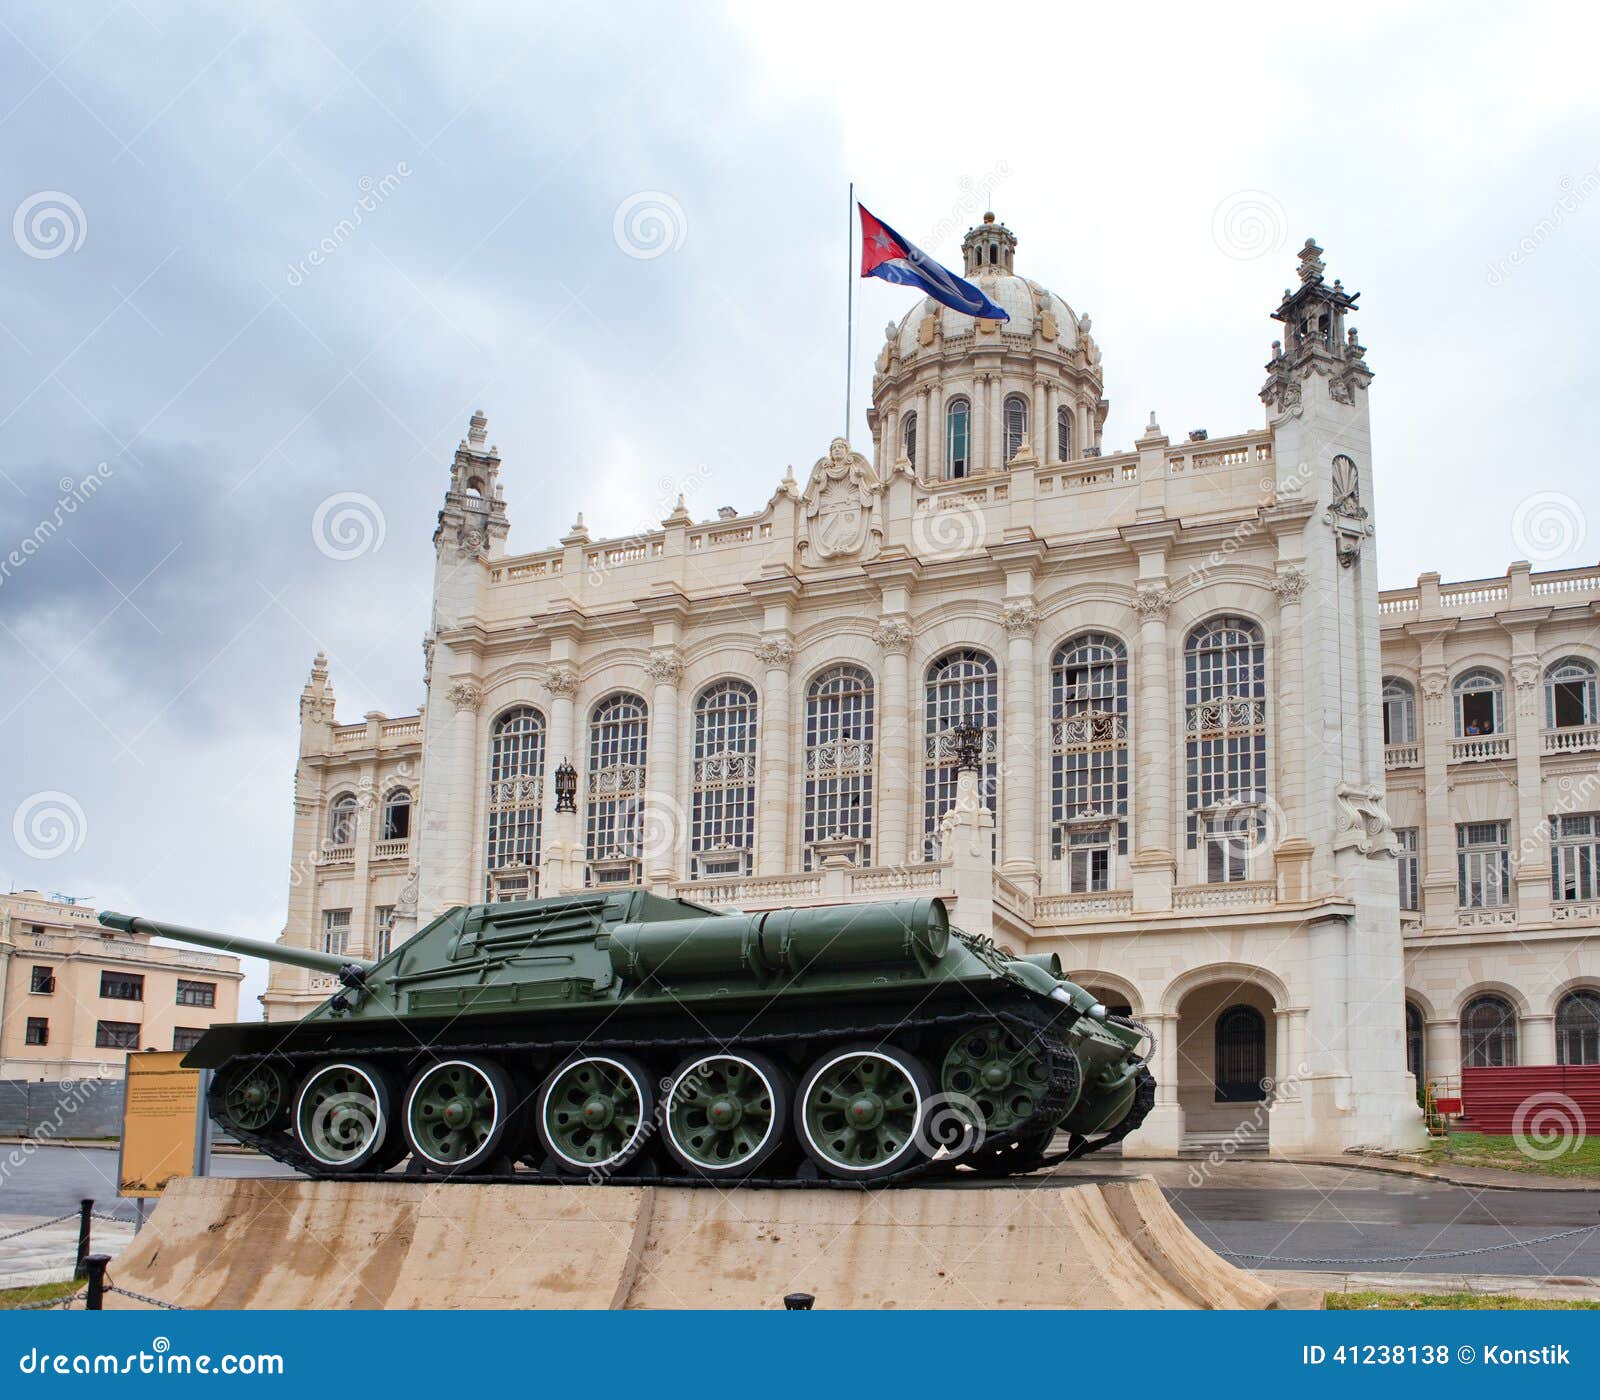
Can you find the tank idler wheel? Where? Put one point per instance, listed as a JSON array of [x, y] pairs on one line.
[[252, 1097], [994, 1078], [344, 1118], [726, 1114], [860, 1113], [460, 1115], [593, 1113]]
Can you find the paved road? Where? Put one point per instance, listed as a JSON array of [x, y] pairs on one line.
[[1289, 1212]]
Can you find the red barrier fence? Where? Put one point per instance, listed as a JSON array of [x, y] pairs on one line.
[[1493, 1099]]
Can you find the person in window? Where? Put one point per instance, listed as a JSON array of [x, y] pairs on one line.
[[1472, 727]]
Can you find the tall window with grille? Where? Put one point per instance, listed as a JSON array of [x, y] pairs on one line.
[[37, 1031], [1225, 742], [1399, 712], [957, 439], [516, 787], [342, 820], [1088, 757], [1574, 857], [336, 931], [619, 737], [1578, 1028], [1569, 694], [960, 684], [1063, 434], [908, 438], [838, 762], [1409, 867], [722, 825], [1016, 421], [1488, 1033], [1483, 865]]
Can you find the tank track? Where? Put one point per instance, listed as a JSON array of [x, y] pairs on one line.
[[1031, 1021]]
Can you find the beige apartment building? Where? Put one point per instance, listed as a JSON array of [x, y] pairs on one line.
[[75, 997], [1321, 839]]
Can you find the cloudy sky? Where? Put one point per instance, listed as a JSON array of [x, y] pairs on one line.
[[621, 232]]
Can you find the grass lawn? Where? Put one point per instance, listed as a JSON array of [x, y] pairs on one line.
[[1481, 1150], [39, 1293], [1465, 1302]]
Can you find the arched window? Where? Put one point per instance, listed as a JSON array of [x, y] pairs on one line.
[[1416, 1043], [619, 735], [1399, 711], [908, 437], [1016, 418], [959, 683], [1064, 433], [1479, 703], [722, 834], [1569, 694], [1225, 740], [1088, 758], [1241, 1055], [839, 751], [396, 815], [516, 785], [1488, 1033], [1578, 1028], [957, 438], [342, 820]]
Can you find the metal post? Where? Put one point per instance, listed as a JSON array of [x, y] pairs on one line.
[[85, 1207], [139, 1208], [798, 1302], [97, 1281], [202, 1126]]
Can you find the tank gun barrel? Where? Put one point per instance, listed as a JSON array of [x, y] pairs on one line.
[[334, 963]]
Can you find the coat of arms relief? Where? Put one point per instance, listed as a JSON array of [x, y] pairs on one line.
[[842, 507]]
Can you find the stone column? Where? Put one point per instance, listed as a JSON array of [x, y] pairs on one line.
[[1441, 1051], [1536, 1039], [1024, 759], [1530, 839], [465, 697], [1038, 422], [558, 831], [967, 835], [1162, 1133], [980, 425], [774, 792], [925, 433], [665, 819], [1154, 864], [1292, 740], [1436, 726], [894, 732]]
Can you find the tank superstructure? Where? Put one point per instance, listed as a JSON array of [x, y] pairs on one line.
[[614, 1035]]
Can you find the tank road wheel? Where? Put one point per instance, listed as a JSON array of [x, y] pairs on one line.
[[459, 1115], [995, 1077], [594, 1112], [726, 1114], [252, 1097], [344, 1118], [859, 1113]]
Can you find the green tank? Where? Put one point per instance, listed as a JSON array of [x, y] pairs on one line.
[[620, 1036]]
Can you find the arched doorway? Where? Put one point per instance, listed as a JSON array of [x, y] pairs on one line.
[[1227, 1061], [1241, 1052]]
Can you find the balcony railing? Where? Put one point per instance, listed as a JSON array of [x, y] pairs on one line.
[[336, 855], [1480, 749], [1240, 894], [1578, 738], [1065, 908], [1402, 756], [1495, 916], [391, 850]]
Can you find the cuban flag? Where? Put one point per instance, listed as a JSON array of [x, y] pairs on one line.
[[885, 254]]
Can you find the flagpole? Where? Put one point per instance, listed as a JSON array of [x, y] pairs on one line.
[[849, 302]]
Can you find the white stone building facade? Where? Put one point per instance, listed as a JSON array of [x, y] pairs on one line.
[[1190, 688]]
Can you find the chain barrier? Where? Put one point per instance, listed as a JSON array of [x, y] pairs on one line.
[[50, 1303], [142, 1298], [42, 1225], [1416, 1258]]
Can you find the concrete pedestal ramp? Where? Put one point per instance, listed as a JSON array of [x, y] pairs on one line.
[[275, 1243]]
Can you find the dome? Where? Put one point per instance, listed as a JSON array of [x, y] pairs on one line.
[[1035, 311]]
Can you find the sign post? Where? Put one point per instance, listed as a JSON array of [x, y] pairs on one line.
[[163, 1132]]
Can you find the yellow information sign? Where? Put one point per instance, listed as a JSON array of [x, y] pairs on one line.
[[160, 1112]]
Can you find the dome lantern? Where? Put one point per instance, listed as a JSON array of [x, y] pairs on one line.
[[990, 247]]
